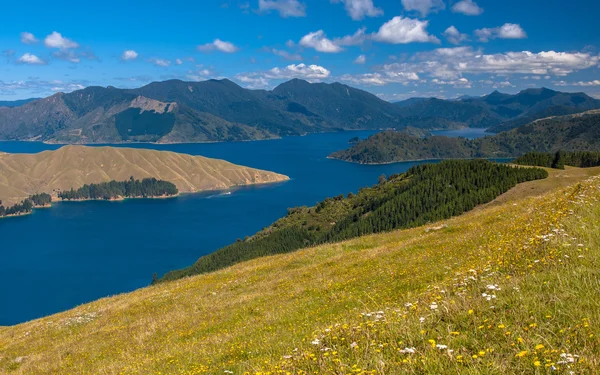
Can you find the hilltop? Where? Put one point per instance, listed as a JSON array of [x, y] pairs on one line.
[[465, 295], [220, 110], [73, 166], [578, 132]]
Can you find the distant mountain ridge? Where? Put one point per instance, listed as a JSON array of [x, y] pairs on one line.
[[178, 111], [220, 110], [496, 111]]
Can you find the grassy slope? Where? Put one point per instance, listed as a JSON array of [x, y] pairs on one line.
[[341, 309], [74, 166]]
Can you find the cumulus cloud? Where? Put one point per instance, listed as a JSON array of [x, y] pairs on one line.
[[454, 36], [312, 73], [28, 38], [286, 8], [319, 41], [56, 40], [178, 61], [218, 45], [28, 58], [160, 62], [468, 7], [359, 9], [360, 59], [423, 6], [401, 30], [129, 55], [506, 31]]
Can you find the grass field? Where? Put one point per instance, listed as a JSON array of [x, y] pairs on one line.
[[512, 287]]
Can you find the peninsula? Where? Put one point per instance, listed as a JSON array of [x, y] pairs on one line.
[[72, 167]]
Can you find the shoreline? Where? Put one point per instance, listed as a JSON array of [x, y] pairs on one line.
[[122, 199], [183, 143]]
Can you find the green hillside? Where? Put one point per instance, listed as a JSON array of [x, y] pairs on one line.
[[509, 288]]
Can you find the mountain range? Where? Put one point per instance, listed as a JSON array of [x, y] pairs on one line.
[[220, 110]]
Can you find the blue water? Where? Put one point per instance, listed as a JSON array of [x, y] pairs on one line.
[[76, 252]]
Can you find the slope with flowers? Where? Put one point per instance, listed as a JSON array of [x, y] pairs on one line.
[[511, 287]]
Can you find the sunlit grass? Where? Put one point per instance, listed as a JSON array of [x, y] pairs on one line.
[[510, 288]]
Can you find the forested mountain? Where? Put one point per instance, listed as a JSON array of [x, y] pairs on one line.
[[178, 111], [220, 110], [423, 194], [579, 132], [497, 111]]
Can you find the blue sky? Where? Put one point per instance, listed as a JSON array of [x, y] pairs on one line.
[[393, 48]]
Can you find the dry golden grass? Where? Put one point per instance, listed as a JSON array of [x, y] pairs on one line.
[[73, 166], [409, 301]]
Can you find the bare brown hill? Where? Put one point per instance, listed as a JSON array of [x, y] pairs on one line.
[[73, 166]]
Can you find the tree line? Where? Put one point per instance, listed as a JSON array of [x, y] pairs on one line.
[[423, 194], [558, 160], [132, 188], [35, 200]]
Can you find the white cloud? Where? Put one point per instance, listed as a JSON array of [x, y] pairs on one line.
[[423, 6], [312, 73], [595, 82], [218, 45], [359, 9], [318, 40], [401, 30], [381, 79], [160, 62], [178, 61], [457, 83], [452, 64], [56, 40], [28, 38], [286, 8], [129, 55], [454, 36], [28, 58], [468, 7], [360, 59], [506, 31], [308, 72]]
